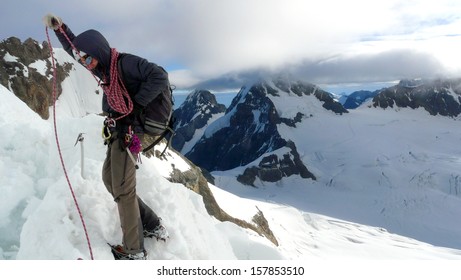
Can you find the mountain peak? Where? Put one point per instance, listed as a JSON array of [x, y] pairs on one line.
[[199, 108], [248, 134], [441, 96]]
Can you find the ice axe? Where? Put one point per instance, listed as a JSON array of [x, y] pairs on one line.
[[80, 139]]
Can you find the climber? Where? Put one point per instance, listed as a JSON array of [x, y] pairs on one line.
[[129, 83]]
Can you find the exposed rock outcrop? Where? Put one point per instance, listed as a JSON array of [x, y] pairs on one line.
[[441, 97], [194, 180], [26, 70], [272, 168]]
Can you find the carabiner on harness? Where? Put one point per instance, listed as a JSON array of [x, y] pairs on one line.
[[109, 123], [106, 135]]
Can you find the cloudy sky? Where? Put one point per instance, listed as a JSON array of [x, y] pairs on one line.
[[223, 42]]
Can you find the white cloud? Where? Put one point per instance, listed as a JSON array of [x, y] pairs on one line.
[[183, 78], [211, 37], [216, 37]]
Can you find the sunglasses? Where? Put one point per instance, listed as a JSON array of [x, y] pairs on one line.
[[87, 59]]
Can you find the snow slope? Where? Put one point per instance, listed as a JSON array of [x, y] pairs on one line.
[[38, 218]]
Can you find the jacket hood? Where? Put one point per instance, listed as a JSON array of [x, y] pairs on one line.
[[94, 44]]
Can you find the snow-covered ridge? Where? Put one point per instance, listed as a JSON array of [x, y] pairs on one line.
[[438, 97]]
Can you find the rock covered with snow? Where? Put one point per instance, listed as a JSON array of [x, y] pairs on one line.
[[198, 110], [248, 134], [357, 98], [442, 96], [26, 70]]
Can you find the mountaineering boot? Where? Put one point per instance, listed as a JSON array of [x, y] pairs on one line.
[[120, 254], [159, 232]]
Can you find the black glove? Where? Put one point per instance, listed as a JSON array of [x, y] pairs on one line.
[[137, 109]]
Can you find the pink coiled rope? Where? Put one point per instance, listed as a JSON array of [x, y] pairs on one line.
[[116, 91]]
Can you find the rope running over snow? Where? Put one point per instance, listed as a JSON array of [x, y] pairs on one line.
[[59, 147]]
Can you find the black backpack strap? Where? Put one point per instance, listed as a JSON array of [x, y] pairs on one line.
[[160, 138]]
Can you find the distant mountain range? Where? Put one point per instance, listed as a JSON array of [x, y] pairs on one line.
[[357, 98], [249, 128]]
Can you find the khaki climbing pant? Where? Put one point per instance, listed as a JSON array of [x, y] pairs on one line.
[[119, 177]]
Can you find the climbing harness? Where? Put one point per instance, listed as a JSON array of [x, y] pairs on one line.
[[59, 147]]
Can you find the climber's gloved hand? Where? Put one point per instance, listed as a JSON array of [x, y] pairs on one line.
[[137, 109], [52, 21]]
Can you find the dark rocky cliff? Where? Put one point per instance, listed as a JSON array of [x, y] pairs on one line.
[[442, 96], [19, 74]]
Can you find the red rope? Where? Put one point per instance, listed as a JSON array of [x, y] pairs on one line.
[[59, 147], [116, 92]]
